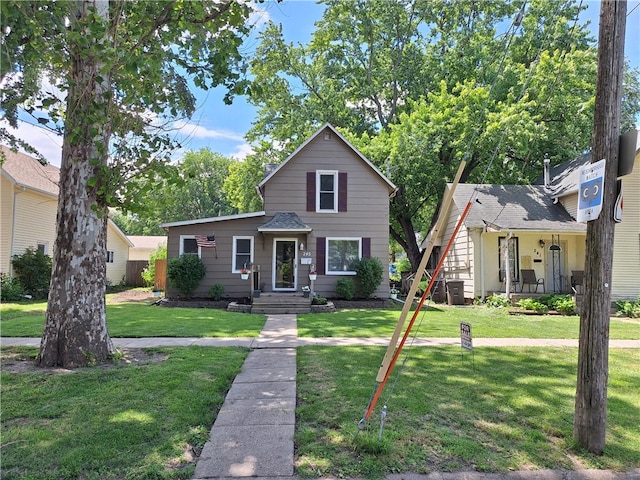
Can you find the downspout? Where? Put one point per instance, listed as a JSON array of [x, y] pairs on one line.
[[483, 293]]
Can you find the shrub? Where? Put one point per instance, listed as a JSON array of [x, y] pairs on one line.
[[566, 306], [628, 308], [149, 273], [369, 274], [533, 304], [33, 270], [345, 288], [498, 301], [216, 291], [186, 273], [10, 289], [319, 301]]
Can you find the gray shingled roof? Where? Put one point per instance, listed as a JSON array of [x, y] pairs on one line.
[[284, 221], [565, 177], [514, 207]]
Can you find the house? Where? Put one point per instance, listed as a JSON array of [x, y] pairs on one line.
[[511, 228], [142, 246], [325, 206], [28, 209]]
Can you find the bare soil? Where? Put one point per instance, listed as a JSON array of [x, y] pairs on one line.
[[15, 362]]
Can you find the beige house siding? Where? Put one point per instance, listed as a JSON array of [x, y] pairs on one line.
[[35, 218], [626, 249], [458, 264], [6, 223], [367, 214], [219, 270], [570, 204], [117, 243]]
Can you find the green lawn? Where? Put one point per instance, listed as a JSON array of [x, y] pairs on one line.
[[140, 320], [444, 321], [513, 411], [126, 421]]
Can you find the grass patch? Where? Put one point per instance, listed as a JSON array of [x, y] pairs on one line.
[[140, 320], [122, 422], [514, 412], [444, 321]]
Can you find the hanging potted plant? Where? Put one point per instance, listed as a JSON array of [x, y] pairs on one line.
[[312, 272], [244, 273]]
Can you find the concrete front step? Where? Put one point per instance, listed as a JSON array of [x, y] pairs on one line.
[[276, 303]]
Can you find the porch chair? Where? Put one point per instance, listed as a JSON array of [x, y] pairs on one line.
[[577, 281], [529, 279]]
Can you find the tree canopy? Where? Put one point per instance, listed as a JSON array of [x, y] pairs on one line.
[[419, 85]]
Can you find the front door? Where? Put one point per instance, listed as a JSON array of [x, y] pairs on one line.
[[285, 265]]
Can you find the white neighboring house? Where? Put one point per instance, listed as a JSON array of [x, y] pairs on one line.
[[28, 209], [144, 245]]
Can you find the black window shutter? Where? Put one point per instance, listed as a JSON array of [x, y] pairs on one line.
[[342, 191], [321, 253], [366, 247], [311, 191]]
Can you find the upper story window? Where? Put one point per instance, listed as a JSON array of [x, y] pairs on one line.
[[327, 191], [188, 245], [242, 253]]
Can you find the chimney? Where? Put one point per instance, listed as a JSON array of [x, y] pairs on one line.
[[546, 171], [269, 168]]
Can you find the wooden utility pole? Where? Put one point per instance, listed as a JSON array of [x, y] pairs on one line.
[[593, 357]]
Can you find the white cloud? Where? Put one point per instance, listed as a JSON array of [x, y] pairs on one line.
[[242, 151], [44, 141], [192, 130]]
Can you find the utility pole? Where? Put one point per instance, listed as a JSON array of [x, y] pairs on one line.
[[590, 420]]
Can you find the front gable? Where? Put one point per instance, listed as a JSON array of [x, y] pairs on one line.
[[323, 175]]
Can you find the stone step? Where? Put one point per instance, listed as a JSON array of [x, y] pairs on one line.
[[279, 309]]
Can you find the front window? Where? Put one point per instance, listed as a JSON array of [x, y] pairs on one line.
[[110, 256], [242, 253], [188, 245], [327, 192], [342, 253], [508, 258], [43, 247]]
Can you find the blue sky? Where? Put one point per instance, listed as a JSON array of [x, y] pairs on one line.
[[221, 128]]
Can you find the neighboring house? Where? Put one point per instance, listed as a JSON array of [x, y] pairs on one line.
[[538, 225], [28, 209], [325, 206], [144, 245]]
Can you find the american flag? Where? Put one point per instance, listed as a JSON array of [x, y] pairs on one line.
[[206, 241]]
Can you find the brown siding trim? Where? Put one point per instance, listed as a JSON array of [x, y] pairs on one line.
[[342, 191], [311, 191], [321, 253], [366, 247]]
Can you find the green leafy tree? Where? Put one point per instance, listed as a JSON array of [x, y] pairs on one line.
[[198, 193], [126, 68], [417, 86]]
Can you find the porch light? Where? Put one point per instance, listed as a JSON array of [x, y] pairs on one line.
[[541, 243]]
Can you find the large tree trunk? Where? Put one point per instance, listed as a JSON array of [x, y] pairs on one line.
[[75, 332], [593, 358]]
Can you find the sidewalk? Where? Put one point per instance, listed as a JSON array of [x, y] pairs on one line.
[[254, 430]]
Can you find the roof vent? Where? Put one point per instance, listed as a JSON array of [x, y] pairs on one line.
[[327, 135]]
